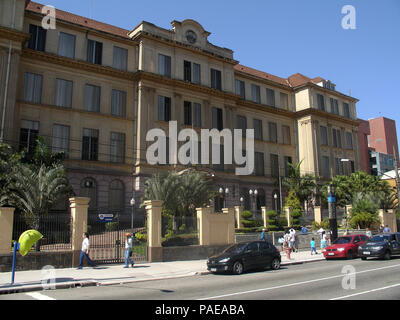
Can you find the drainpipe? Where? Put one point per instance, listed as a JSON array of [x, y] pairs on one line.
[[7, 79]]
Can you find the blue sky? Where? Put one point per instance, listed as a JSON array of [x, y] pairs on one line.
[[284, 37]]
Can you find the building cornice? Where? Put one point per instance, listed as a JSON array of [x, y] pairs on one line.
[[265, 108], [14, 35], [262, 80], [76, 64], [325, 90], [326, 115], [145, 35]]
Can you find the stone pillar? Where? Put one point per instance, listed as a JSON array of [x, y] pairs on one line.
[[6, 229], [288, 211], [317, 214], [215, 228], [153, 211], [265, 217], [388, 218], [79, 217], [238, 216]]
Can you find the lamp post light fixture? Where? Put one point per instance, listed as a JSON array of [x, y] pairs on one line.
[[132, 203], [253, 193], [224, 194], [276, 204]]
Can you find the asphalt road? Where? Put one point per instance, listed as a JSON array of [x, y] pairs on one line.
[[325, 280]]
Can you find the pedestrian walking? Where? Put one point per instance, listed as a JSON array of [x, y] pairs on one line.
[[386, 229], [286, 244], [262, 235], [380, 229], [368, 233], [85, 251], [128, 250], [313, 247], [292, 240], [281, 240], [323, 241]]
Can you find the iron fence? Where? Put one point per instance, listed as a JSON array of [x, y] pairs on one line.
[[179, 230]]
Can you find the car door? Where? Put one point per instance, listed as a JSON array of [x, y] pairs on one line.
[[396, 243], [266, 253], [355, 244], [252, 255]]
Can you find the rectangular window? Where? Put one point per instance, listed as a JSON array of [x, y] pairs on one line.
[[286, 135], [337, 138], [33, 87], [325, 169], [270, 97], [197, 115], [92, 98], [287, 160], [349, 140], [63, 97], [346, 110], [94, 51], [216, 82], [321, 102], [220, 166], [187, 71], [120, 58], [28, 135], [196, 73], [66, 45], [324, 135], [258, 130], [259, 164], [255, 93], [241, 123], [239, 89], [334, 106], [90, 144], [187, 113], [273, 133], [217, 122], [164, 108], [117, 147], [284, 100], [37, 41], [274, 165], [352, 166], [164, 65], [60, 139], [118, 103]]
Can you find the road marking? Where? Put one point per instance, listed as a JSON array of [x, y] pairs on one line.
[[39, 296], [365, 292], [296, 283]]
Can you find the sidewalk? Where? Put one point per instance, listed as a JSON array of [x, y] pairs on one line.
[[115, 274]]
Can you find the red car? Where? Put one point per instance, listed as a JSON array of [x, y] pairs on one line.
[[345, 247]]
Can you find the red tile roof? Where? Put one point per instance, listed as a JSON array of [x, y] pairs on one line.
[[261, 74], [81, 21]]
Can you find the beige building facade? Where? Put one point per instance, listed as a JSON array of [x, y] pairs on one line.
[[94, 91]]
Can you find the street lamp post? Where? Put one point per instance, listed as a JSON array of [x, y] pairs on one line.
[[224, 194], [276, 203], [132, 202], [254, 202], [332, 212]]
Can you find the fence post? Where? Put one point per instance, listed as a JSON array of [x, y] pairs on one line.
[[154, 219], [79, 218], [317, 214], [265, 217], [238, 216], [6, 229]]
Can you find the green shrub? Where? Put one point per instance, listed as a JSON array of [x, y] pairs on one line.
[[272, 220], [324, 224]]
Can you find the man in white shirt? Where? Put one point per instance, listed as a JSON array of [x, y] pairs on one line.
[[85, 251], [128, 250]]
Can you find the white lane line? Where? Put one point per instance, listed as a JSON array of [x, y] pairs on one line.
[[297, 283], [39, 296], [365, 292]]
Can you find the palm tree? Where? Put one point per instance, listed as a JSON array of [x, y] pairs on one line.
[[36, 191], [302, 186]]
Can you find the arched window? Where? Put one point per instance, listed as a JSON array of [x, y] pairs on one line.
[[116, 195], [89, 189], [244, 193], [260, 198]]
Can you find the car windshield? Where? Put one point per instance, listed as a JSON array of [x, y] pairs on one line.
[[236, 248], [342, 240], [379, 238]]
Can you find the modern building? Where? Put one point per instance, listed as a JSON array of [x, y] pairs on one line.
[[94, 91]]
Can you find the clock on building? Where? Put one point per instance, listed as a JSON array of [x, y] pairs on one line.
[[191, 36]]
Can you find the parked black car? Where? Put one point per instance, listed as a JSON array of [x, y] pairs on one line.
[[382, 245], [245, 256]]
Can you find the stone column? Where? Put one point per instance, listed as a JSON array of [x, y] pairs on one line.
[[238, 216], [288, 211], [6, 229], [265, 217], [153, 211], [79, 217], [317, 214]]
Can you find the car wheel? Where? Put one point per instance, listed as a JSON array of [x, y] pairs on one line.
[[349, 255], [275, 264], [238, 267], [387, 255]]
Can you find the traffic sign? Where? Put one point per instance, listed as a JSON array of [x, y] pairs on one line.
[[331, 199], [106, 217]]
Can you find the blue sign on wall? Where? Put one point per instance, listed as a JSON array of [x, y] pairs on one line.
[[106, 217], [331, 199]]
